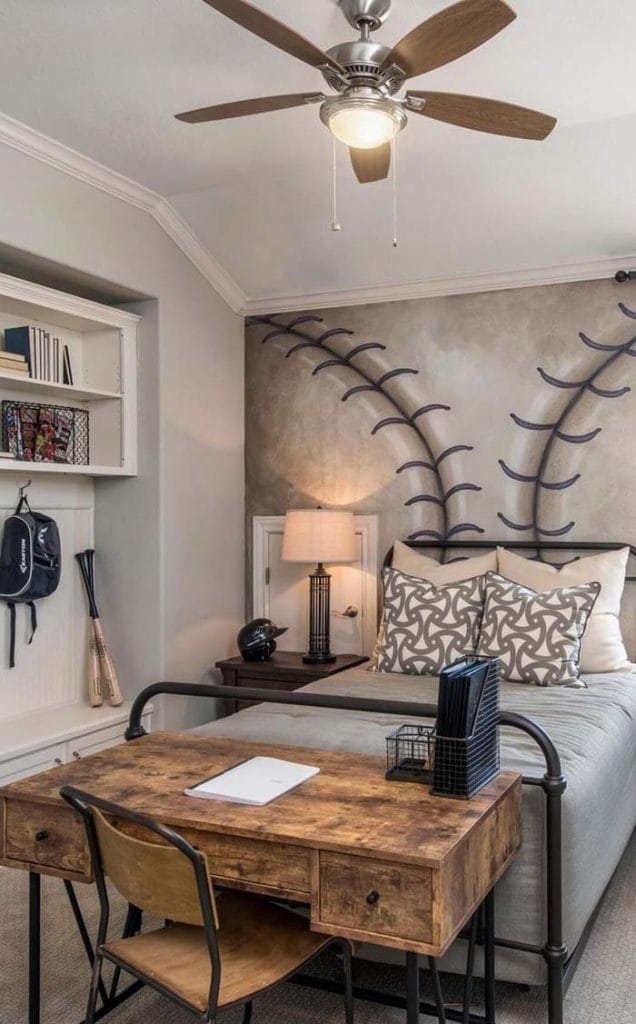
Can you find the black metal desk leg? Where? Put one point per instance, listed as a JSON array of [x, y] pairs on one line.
[[35, 904], [412, 989], [489, 956]]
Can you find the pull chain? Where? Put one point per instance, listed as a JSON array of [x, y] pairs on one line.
[[335, 225], [395, 171]]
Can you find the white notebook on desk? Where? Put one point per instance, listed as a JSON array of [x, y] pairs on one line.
[[257, 781]]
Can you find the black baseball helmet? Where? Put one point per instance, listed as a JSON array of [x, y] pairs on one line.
[[256, 639]]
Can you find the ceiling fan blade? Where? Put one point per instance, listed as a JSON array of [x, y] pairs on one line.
[[484, 115], [371, 164], [273, 31], [448, 35], [241, 108]]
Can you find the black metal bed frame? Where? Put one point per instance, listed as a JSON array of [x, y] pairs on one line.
[[560, 963]]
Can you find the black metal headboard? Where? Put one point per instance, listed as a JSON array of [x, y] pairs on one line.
[[518, 545]]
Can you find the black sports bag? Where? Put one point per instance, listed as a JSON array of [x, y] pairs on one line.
[[30, 563]]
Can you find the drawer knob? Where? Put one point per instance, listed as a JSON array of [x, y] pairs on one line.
[[41, 836], [77, 755], [373, 897]]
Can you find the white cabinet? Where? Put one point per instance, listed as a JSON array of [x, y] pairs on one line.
[[102, 346], [32, 743]]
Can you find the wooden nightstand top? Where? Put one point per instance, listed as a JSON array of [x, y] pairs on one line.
[[284, 663]]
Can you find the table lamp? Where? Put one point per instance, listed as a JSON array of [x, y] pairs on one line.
[[319, 535]]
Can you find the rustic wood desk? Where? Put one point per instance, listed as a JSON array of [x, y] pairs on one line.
[[376, 861]]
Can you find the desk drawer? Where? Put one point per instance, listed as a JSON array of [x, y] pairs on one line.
[[52, 836], [375, 897], [250, 863]]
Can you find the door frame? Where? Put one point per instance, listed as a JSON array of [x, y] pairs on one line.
[[365, 525]]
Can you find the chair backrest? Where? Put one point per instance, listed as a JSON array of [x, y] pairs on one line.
[[166, 877]]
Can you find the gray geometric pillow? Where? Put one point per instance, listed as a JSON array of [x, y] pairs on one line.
[[428, 627], [536, 636]]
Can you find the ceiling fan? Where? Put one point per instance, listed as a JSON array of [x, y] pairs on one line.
[[366, 75]]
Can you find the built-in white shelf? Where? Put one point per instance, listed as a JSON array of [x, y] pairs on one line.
[[102, 345], [66, 392], [22, 466]]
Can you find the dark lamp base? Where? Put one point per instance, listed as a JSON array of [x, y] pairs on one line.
[[318, 659]]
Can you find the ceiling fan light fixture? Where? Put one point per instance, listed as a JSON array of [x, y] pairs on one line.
[[362, 122]]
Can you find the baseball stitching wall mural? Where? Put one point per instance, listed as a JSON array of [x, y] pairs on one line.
[[558, 431], [506, 415], [310, 333]]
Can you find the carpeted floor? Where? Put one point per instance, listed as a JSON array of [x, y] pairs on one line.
[[603, 990]]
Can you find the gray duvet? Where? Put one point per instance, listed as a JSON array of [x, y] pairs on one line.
[[594, 730]]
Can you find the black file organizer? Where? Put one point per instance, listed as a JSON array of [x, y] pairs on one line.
[[463, 766]]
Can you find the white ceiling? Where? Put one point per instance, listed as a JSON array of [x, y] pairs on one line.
[[106, 77]]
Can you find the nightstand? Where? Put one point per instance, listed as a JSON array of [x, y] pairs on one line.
[[285, 670]]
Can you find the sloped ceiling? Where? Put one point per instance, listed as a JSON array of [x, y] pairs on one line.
[[106, 78]]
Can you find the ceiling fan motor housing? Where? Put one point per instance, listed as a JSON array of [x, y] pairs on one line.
[[361, 61], [365, 12]]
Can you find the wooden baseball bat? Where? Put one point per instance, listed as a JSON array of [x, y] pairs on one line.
[[95, 697], [109, 677]]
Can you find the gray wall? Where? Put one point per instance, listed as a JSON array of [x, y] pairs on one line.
[[311, 441], [175, 597]]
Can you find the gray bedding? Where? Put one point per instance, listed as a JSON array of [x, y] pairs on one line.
[[594, 731]]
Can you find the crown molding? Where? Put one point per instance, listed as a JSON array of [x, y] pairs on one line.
[[33, 143], [440, 286], [62, 302]]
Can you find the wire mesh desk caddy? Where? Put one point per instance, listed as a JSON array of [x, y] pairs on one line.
[[456, 766]]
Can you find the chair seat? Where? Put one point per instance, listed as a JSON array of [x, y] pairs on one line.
[[259, 945]]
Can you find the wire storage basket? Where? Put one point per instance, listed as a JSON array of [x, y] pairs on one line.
[[36, 432], [464, 765], [409, 753]]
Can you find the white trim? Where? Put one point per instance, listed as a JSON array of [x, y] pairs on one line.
[[366, 526], [461, 285], [63, 302], [27, 140]]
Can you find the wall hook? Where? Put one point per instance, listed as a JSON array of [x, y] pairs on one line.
[[24, 488]]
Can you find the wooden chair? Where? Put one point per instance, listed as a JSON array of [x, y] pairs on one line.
[[218, 950]]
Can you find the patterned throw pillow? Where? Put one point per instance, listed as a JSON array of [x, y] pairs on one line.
[[427, 627], [536, 636]]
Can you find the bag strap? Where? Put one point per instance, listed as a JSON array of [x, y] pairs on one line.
[[34, 620], [34, 626], [23, 502], [11, 607]]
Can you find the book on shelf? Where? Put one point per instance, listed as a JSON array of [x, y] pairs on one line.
[[17, 365], [67, 373], [45, 356]]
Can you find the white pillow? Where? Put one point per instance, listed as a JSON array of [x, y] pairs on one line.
[[414, 563], [602, 647]]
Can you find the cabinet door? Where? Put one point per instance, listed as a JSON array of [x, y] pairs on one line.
[[101, 739], [281, 589], [31, 763]]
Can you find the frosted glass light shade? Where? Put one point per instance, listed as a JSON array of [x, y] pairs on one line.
[[363, 122], [363, 128], [319, 535]]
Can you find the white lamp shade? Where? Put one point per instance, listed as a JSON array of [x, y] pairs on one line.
[[319, 535]]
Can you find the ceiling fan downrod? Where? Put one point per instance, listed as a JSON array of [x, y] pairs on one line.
[[365, 15]]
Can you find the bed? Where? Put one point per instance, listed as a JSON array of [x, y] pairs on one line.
[[576, 750], [594, 732]]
